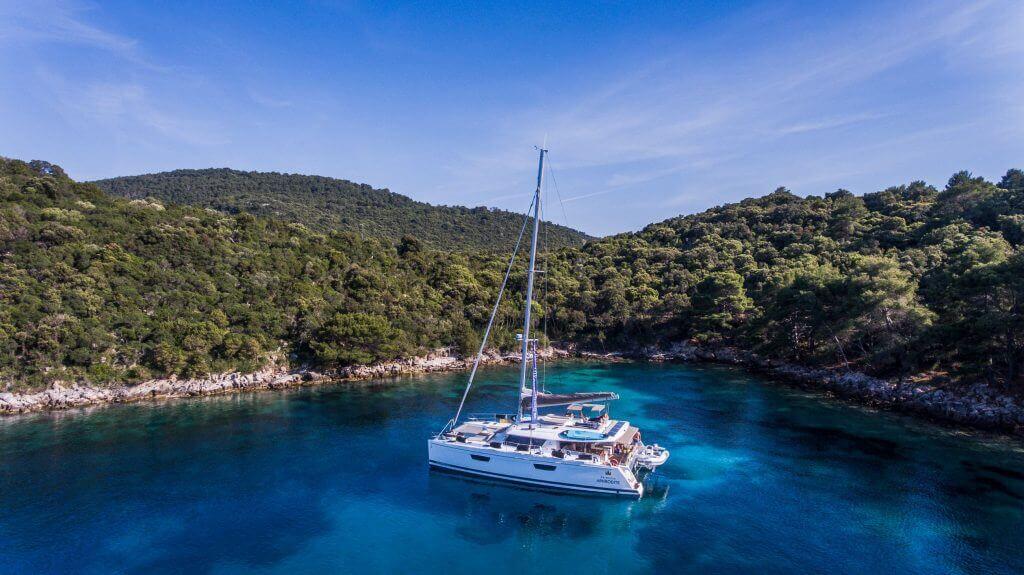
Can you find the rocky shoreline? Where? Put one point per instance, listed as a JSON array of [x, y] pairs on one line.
[[974, 405], [67, 396]]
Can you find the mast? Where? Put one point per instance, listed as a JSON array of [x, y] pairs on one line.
[[529, 282]]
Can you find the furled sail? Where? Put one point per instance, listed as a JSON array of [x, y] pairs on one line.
[[553, 399]]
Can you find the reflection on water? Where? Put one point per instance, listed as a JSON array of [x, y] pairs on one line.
[[334, 478]]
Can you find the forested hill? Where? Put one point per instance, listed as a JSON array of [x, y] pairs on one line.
[[328, 204], [907, 280], [102, 289], [910, 280]]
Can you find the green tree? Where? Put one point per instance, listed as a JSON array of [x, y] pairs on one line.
[[720, 304], [800, 318], [882, 317], [356, 338]]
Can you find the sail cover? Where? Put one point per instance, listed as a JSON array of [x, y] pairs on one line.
[[552, 399]]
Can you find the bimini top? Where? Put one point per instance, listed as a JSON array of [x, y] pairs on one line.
[[587, 410]]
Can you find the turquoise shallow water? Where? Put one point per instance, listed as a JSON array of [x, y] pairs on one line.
[[334, 479]]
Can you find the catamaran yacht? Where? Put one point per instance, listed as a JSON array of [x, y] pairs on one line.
[[579, 449]]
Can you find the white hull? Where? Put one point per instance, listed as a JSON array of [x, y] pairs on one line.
[[582, 450], [533, 469]]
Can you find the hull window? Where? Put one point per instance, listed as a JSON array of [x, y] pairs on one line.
[[544, 467], [480, 457]]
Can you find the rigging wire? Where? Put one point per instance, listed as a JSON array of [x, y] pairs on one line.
[[565, 220], [490, 322], [544, 300], [551, 172]]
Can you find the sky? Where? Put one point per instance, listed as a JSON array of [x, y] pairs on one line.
[[649, 110]]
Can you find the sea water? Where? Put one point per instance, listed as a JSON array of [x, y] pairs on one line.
[[334, 479]]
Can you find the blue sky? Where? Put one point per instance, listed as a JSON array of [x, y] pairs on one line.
[[650, 109]]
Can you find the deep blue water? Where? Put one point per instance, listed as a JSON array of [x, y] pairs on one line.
[[334, 479]]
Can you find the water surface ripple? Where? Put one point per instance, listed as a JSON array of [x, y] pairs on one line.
[[334, 479]]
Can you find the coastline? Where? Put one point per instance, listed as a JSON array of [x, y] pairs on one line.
[[974, 405], [60, 396]]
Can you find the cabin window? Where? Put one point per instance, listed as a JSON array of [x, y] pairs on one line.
[[544, 467], [524, 442], [480, 457]]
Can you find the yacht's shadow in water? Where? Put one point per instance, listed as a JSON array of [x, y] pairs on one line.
[[494, 511]]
